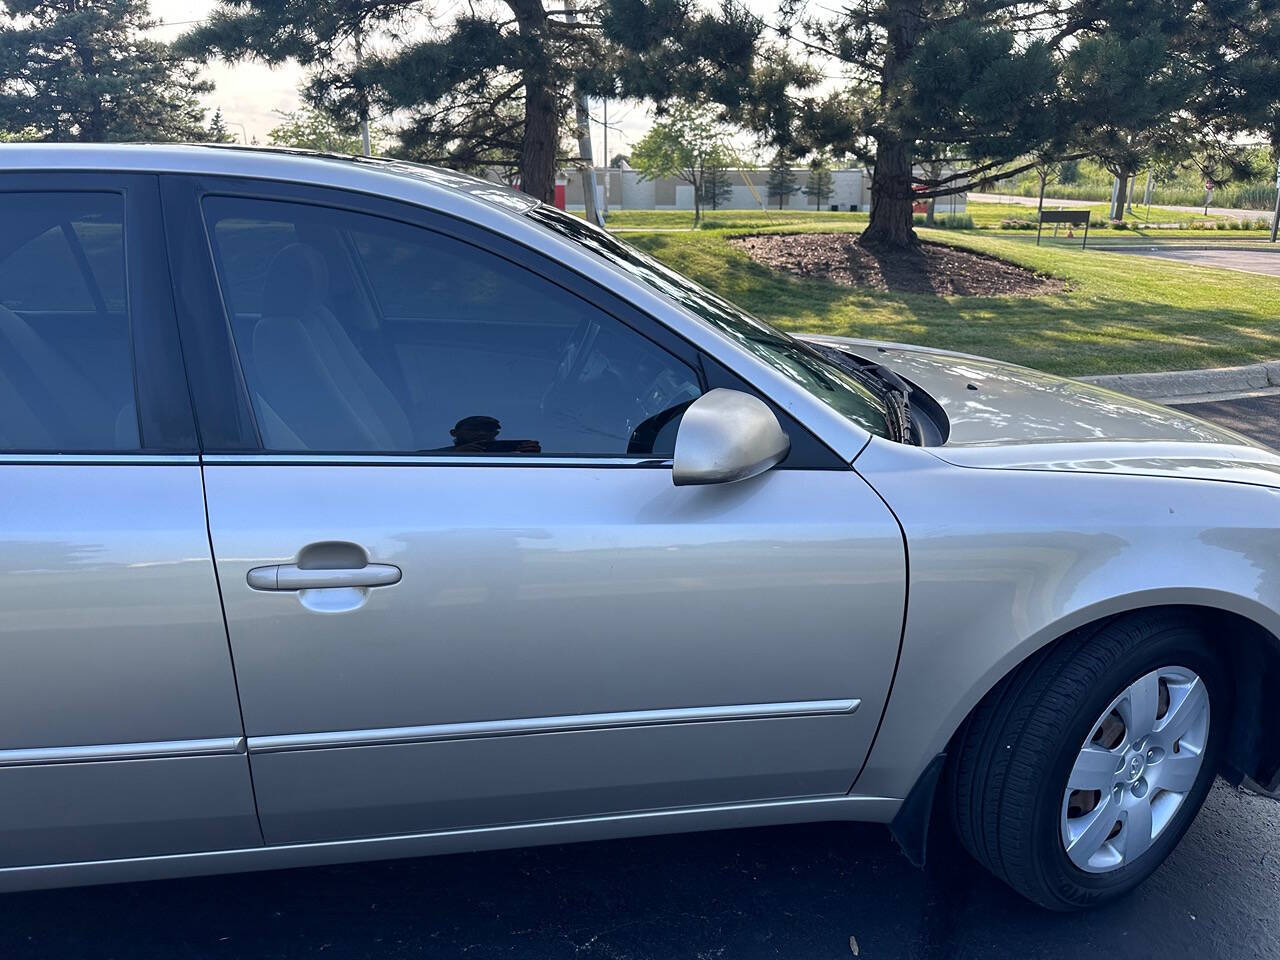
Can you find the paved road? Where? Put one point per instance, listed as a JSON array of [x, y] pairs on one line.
[[790, 892], [1059, 202], [1257, 417], [1250, 261]]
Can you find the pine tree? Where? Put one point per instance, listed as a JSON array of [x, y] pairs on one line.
[[83, 70], [782, 179], [996, 84], [819, 185], [717, 188], [218, 132], [327, 37], [496, 83]]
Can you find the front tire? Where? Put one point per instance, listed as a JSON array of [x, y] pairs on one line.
[[1080, 772]]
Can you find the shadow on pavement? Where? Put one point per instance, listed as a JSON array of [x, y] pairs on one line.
[[791, 892]]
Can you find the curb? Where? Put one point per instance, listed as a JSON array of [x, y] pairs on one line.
[[1238, 245], [1187, 384]]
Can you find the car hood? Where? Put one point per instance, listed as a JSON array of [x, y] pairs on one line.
[[1003, 415]]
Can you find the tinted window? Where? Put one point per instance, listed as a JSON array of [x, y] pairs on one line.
[[362, 334], [794, 359], [66, 368]]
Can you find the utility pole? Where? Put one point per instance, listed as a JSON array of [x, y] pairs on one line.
[[584, 140], [364, 100], [1275, 217], [604, 107]]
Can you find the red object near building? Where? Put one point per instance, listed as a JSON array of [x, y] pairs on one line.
[[560, 195], [919, 206]]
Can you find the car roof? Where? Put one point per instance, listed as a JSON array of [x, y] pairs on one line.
[[370, 174]]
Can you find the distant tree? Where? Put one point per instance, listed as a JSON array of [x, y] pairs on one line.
[[309, 129], [685, 144], [1047, 171], [619, 159], [819, 185], [218, 132], [782, 179], [84, 70], [717, 187], [1218, 160]]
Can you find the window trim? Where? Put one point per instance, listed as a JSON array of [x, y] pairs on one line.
[[184, 196], [162, 402]]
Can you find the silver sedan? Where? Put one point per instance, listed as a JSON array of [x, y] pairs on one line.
[[356, 509]]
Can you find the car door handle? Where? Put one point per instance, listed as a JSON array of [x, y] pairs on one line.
[[289, 576]]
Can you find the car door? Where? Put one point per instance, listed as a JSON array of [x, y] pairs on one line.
[[460, 586], [120, 732]]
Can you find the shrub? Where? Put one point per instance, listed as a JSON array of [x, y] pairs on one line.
[[946, 221], [1017, 224]]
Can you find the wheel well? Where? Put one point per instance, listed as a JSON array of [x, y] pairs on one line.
[[1252, 747], [1253, 657]]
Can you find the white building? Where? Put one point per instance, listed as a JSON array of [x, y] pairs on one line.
[[627, 190]]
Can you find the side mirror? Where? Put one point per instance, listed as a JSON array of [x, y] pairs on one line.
[[727, 435]]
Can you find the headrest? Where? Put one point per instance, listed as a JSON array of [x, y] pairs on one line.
[[298, 278]]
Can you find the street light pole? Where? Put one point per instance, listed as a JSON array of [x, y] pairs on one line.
[[1275, 216], [604, 125], [364, 100]]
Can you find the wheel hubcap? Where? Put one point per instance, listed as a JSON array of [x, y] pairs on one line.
[[1132, 775]]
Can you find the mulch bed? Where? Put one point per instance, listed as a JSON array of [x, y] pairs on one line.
[[929, 268]]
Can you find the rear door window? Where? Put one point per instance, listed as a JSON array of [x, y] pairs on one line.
[[66, 362]]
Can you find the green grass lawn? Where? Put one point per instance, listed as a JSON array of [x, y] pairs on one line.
[[1119, 313], [985, 216]]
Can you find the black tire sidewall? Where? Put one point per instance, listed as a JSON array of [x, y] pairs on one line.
[[1174, 646]]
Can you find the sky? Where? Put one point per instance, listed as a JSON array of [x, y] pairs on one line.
[[252, 96]]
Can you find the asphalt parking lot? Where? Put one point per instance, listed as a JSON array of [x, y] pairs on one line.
[[1265, 260], [800, 892]]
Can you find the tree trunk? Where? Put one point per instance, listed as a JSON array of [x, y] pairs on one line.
[[1122, 184], [1044, 181], [541, 126], [1121, 193], [891, 197]]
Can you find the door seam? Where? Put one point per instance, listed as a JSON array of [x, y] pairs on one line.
[[226, 630]]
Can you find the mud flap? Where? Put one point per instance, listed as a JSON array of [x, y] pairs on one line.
[[1248, 783], [910, 828]]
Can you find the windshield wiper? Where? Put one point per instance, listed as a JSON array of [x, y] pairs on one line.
[[892, 390]]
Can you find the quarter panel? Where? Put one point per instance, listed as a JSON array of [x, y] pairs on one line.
[[1005, 561]]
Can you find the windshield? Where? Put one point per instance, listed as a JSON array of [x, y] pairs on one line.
[[796, 360]]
